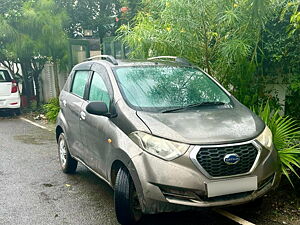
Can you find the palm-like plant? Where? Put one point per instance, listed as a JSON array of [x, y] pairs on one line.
[[286, 138]]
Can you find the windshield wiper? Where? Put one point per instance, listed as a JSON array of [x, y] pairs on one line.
[[194, 106]]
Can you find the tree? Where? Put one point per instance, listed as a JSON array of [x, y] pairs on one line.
[[129, 9], [8, 5], [32, 37], [6, 58], [50, 36], [294, 7], [222, 37], [98, 16], [279, 54]]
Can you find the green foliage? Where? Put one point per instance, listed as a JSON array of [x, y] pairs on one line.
[[199, 32], [52, 109], [223, 37], [31, 36], [286, 138], [291, 106], [133, 7], [293, 6], [8, 5], [280, 58], [295, 20]]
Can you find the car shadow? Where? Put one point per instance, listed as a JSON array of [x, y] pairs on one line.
[[7, 114], [97, 190], [193, 217]]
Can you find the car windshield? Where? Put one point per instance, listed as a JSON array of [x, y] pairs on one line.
[[159, 88], [4, 76]]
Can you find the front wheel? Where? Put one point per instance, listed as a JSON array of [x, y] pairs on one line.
[[67, 163], [127, 206]]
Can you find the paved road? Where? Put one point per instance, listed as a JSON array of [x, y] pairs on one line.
[[33, 190]]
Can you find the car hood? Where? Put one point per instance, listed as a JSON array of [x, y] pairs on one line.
[[212, 125]]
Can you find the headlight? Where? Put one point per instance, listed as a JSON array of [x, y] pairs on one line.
[[159, 147], [265, 138]]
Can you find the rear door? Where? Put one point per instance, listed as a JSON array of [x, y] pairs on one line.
[[97, 130], [71, 103], [5, 83]]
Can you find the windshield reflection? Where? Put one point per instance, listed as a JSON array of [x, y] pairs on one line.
[[154, 88]]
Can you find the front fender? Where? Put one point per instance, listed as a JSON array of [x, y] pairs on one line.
[[119, 155]]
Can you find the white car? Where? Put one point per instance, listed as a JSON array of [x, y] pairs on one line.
[[10, 99]]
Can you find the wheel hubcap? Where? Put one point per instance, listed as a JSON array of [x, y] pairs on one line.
[[63, 153]]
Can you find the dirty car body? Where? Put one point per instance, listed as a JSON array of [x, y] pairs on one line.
[[183, 139]]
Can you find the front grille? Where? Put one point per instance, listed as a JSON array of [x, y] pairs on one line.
[[212, 159]]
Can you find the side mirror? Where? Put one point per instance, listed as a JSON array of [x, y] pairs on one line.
[[97, 108]]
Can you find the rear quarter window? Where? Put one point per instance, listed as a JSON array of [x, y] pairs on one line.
[[4, 76]]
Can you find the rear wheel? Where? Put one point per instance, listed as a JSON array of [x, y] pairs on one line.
[[127, 206], [67, 163]]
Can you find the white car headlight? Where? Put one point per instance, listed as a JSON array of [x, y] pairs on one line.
[[162, 148], [266, 138]]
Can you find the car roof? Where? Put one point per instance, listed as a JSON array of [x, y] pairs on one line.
[[127, 63], [122, 63], [110, 61], [133, 63]]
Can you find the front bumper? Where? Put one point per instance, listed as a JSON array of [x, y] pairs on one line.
[[176, 185]]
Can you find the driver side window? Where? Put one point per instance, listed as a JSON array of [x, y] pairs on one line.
[[98, 90]]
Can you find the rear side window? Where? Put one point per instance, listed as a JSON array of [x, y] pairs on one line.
[[4, 76], [79, 82], [98, 90]]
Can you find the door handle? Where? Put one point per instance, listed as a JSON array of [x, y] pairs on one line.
[[64, 103], [82, 115]]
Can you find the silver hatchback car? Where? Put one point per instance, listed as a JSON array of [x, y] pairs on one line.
[[165, 135]]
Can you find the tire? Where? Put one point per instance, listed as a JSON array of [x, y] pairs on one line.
[[67, 163], [127, 206]]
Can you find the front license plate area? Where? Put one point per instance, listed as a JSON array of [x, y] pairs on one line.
[[231, 186]]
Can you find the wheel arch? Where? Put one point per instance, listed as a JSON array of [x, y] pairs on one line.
[[123, 160], [117, 164], [61, 125]]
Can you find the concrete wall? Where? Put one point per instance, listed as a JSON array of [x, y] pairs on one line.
[[278, 87], [279, 91], [48, 84]]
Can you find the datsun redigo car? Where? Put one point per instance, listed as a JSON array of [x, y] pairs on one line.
[[164, 135]]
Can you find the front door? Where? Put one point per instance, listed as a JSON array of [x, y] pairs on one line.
[[94, 128]]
